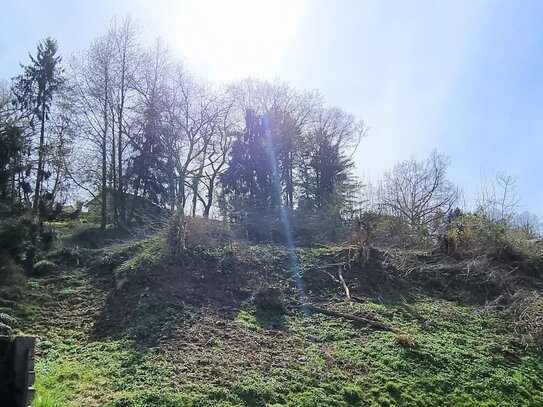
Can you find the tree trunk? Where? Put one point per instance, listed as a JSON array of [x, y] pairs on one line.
[[176, 233], [39, 176], [122, 209], [196, 181], [103, 217], [120, 192], [114, 179]]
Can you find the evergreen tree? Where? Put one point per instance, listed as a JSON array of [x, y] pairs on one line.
[[35, 90], [13, 153], [250, 193]]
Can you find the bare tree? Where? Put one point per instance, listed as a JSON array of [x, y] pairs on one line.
[[147, 168], [529, 224], [497, 197], [127, 50], [214, 162], [58, 151], [416, 190], [92, 73]]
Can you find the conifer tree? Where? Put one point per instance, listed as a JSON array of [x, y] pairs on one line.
[[35, 89]]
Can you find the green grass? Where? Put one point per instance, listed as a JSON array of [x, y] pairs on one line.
[[461, 354], [149, 256], [463, 357]]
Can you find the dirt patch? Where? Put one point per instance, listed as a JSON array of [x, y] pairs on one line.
[[215, 349]]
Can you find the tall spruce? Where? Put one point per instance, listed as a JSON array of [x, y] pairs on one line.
[[35, 89]]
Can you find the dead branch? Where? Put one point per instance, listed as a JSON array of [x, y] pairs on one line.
[[329, 275], [369, 322], [328, 266], [342, 280]]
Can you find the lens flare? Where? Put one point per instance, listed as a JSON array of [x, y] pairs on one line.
[[285, 218]]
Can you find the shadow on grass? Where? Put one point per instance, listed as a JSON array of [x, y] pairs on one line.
[[272, 319], [154, 302]]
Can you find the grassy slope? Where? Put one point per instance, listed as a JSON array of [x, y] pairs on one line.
[[186, 334]]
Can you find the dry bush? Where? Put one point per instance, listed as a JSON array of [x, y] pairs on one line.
[[393, 232], [526, 313], [405, 341], [481, 279], [207, 232]]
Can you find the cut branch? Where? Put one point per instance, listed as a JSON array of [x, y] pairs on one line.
[[350, 317]]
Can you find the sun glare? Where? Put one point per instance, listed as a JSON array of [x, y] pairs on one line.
[[234, 39]]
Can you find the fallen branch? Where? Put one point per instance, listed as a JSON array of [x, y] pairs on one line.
[[348, 294], [358, 299], [328, 266], [369, 322]]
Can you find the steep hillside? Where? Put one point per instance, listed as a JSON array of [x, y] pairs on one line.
[[122, 325]]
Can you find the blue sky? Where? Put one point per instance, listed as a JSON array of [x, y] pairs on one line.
[[464, 77]]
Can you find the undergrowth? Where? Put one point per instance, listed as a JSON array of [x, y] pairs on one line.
[[162, 341]]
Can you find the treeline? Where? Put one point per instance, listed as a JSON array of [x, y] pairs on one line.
[[127, 126], [120, 120]]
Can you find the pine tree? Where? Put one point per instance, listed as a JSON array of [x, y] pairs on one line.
[[35, 90]]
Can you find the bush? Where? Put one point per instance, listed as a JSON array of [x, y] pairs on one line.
[[44, 267], [7, 322], [12, 278], [269, 298], [477, 235], [263, 227], [405, 341], [319, 227], [392, 231], [18, 238], [526, 312], [206, 232]]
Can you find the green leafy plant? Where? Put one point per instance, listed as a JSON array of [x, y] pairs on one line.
[[43, 267]]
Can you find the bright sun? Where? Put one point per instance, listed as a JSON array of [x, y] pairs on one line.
[[231, 39]]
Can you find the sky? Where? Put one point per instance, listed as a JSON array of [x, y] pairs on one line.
[[462, 77]]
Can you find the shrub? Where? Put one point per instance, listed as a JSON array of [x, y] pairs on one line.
[[392, 231], [44, 267], [319, 227], [352, 394], [7, 322], [18, 238], [477, 235], [269, 298], [206, 232], [12, 278], [405, 341], [526, 312]]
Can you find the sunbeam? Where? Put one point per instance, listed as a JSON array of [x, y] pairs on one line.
[[285, 218]]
